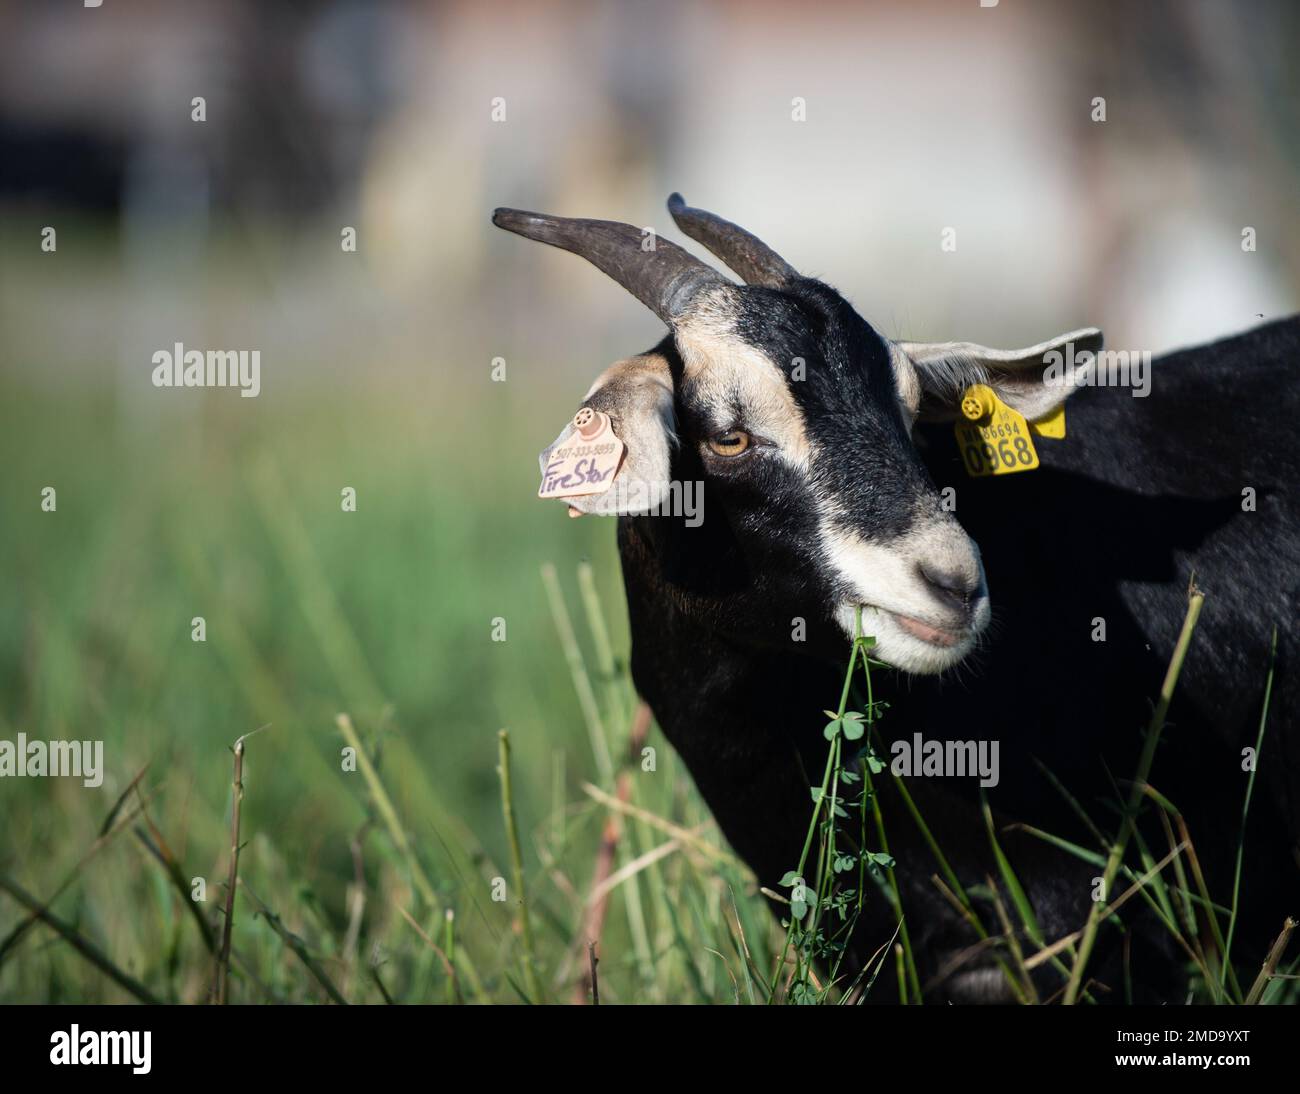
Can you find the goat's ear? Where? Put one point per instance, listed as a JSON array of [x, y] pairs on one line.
[[1034, 381], [637, 394]]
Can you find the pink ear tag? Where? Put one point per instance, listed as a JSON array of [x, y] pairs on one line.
[[586, 461]]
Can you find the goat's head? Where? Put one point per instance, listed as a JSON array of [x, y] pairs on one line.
[[797, 416]]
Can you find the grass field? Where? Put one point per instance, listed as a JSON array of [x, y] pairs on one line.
[[387, 614], [394, 872]]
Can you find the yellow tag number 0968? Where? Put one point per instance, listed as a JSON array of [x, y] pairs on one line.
[[1011, 453]]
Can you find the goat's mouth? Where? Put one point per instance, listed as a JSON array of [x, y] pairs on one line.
[[913, 644], [927, 632]]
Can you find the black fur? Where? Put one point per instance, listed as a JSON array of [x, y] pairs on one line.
[[1141, 494]]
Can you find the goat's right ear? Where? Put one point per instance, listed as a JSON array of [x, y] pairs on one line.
[[1034, 381], [637, 394]]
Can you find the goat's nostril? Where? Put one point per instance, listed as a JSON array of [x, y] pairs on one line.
[[951, 586]]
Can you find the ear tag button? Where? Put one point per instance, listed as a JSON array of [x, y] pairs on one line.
[[586, 461], [993, 439], [978, 403]]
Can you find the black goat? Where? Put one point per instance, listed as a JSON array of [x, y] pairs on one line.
[[810, 432]]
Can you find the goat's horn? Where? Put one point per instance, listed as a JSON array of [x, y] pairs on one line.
[[748, 255], [666, 279]]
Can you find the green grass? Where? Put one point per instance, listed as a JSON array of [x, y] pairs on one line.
[[369, 875], [386, 614]]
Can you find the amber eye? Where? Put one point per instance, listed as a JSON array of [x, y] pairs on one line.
[[731, 443]]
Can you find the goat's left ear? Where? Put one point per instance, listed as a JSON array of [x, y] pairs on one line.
[[1035, 381], [637, 394]]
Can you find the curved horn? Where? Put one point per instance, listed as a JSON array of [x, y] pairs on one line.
[[748, 255], [666, 280]]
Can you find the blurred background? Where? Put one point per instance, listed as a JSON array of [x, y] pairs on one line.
[[850, 136]]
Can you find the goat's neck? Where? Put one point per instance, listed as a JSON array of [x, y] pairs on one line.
[[743, 719]]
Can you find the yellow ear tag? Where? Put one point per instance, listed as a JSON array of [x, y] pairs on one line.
[[1050, 425], [992, 438]]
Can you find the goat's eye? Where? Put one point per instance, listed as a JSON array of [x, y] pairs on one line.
[[731, 443]]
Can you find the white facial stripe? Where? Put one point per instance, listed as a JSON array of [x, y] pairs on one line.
[[726, 370], [876, 574], [886, 580]]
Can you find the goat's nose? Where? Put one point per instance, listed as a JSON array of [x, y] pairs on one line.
[[955, 588]]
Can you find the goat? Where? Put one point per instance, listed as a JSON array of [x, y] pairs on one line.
[[815, 437]]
